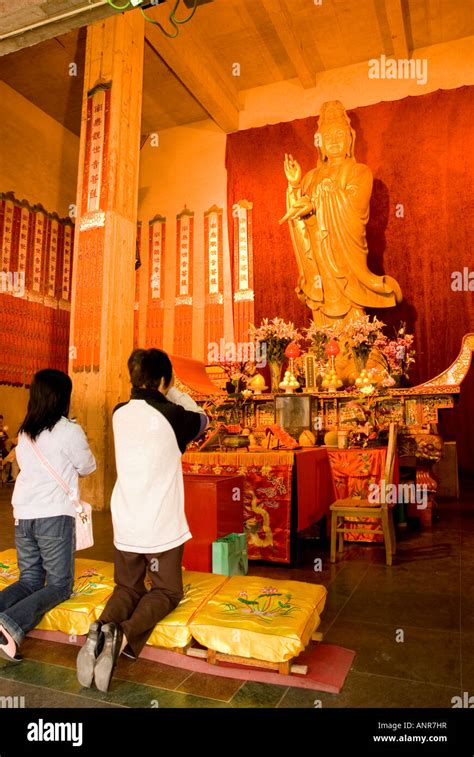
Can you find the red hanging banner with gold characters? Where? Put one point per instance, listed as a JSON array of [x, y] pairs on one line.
[[87, 322], [183, 312], [243, 270], [155, 300], [35, 282]]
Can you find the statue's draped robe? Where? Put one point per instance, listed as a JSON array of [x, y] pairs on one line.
[[331, 247]]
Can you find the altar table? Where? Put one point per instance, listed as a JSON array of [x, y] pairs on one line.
[[287, 491]]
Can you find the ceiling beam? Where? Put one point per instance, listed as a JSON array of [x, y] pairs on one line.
[[282, 21], [26, 27], [247, 10], [396, 23], [196, 68]]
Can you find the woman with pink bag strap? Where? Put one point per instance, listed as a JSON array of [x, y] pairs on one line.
[[45, 528]]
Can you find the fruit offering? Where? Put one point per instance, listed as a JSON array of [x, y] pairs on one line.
[[330, 438], [330, 380], [307, 439], [289, 383], [366, 378]]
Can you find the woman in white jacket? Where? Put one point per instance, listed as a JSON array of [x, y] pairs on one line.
[[44, 515]]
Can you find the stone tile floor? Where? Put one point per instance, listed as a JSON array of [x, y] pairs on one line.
[[411, 625]]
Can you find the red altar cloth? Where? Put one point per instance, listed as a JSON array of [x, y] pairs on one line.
[[315, 485], [266, 495], [352, 472]]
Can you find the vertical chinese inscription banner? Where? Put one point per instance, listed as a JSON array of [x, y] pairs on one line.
[[155, 299], [213, 279], [87, 322], [183, 312], [35, 285], [243, 270], [136, 307]]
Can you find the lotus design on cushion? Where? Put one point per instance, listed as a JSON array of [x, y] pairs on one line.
[[269, 603]]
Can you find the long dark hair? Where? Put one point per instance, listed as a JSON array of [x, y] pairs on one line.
[[50, 397]]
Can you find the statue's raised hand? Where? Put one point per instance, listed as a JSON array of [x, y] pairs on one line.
[[292, 170]]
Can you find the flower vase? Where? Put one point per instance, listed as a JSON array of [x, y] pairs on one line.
[[275, 375], [360, 359], [400, 380]]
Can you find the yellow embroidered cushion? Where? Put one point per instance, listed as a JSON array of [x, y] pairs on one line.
[[93, 585], [260, 618], [173, 631], [243, 615], [9, 571]]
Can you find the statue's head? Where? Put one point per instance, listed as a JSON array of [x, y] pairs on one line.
[[334, 138]]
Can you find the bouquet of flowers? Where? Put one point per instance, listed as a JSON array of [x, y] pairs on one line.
[[276, 334], [362, 333], [237, 373], [319, 336], [397, 354]]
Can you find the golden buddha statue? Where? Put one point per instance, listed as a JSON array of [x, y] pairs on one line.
[[328, 211]]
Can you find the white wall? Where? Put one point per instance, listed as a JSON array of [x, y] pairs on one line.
[[186, 168], [450, 65]]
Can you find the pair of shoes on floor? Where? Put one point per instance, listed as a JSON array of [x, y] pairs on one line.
[[97, 658], [8, 647]]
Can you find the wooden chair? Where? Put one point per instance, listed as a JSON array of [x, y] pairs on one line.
[[362, 508]]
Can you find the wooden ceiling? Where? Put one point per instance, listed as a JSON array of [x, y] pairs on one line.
[[187, 78]]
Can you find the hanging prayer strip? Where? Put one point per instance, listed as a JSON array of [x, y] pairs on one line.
[[183, 313], [214, 279], [243, 270], [67, 264], [91, 241], [7, 236], [155, 292]]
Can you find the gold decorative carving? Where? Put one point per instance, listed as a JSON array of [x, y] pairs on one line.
[[457, 371], [94, 220], [244, 295]]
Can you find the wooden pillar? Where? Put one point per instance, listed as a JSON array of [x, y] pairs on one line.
[[103, 289]]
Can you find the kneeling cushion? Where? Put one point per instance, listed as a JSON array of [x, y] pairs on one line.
[[93, 585], [260, 618], [174, 631]]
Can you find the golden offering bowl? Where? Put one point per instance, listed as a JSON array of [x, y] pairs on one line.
[[235, 441]]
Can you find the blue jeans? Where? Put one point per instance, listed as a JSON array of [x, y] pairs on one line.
[[45, 551]]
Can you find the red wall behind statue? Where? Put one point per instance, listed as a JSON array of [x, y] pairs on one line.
[[420, 150]]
